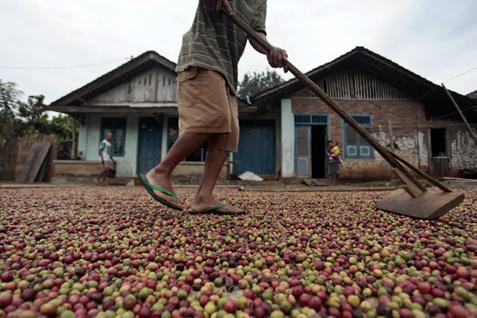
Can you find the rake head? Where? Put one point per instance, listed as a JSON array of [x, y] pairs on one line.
[[430, 205]]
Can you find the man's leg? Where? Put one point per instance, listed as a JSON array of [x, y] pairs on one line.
[[100, 179], [214, 162], [161, 174]]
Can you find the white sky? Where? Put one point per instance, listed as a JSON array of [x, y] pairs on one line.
[[436, 39]]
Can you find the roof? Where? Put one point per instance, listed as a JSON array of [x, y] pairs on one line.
[[473, 94], [112, 78], [431, 95]]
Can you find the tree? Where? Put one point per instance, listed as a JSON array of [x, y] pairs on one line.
[[32, 118], [8, 104], [252, 84], [20, 119]]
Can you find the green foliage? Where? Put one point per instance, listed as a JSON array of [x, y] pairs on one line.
[[8, 105], [32, 118], [20, 119], [252, 84]]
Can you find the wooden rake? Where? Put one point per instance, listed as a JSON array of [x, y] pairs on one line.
[[414, 199]]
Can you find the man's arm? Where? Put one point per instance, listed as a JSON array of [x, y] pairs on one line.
[[276, 57], [101, 148]]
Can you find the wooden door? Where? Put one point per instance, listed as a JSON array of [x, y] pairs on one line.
[[256, 151], [150, 143]]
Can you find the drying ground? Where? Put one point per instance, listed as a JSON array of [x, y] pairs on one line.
[[114, 252]]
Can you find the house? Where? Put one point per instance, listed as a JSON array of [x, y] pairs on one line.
[[285, 130], [473, 94], [136, 102], [400, 108]]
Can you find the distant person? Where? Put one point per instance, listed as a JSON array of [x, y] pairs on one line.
[[106, 158], [334, 161], [207, 98]]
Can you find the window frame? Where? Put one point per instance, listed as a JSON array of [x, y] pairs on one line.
[[308, 120], [113, 124], [446, 144], [361, 143]]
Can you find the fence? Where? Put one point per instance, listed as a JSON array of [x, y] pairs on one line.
[[13, 153]]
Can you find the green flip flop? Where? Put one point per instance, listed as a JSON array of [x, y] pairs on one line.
[[150, 188], [216, 209]]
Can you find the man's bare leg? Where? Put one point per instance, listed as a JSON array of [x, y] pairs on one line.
[[214, 162], [101, 178], [161, 174]]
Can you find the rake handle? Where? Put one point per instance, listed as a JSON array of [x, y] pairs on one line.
[[385, 153], [422, 174]]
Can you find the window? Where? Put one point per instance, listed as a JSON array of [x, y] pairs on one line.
[[438, 142], [311, 120], [355, 147], [173, 133], [117, 127]]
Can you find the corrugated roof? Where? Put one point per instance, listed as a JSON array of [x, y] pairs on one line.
[[431, 95], [473, 94]]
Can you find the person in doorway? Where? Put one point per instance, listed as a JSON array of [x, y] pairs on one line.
[[334, 161], [206, 98], [106, 158]]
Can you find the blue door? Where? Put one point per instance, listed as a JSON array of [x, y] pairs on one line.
[[256, 151], [150, 143]]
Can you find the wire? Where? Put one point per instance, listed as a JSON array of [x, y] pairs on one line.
[[49, 68], [463, 73]]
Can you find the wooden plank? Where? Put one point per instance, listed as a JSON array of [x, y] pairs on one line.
[[460, 112], [42, 175], [458, 179], [36, 156]]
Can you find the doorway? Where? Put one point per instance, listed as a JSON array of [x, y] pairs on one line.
[[438, 142], [439, 165], [311, 132], [256, 150], [318, 152], [149, 145]]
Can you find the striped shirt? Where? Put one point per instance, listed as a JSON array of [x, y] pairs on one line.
[[215, 43]]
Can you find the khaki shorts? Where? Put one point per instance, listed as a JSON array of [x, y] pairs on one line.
[[207, 105]]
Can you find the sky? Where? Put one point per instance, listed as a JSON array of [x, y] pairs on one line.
[[52, 47]]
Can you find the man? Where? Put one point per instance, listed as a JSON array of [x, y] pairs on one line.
[[106, 158], [206, 98]]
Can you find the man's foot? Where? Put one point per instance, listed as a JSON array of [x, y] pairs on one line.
[[100, 183], [164, 182], [212, 206]]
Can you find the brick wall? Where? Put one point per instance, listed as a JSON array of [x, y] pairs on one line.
[[8, 158], [461, 147], [406, 119], [410, 131]]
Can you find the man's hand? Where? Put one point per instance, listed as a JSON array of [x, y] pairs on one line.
[[221, 5], [277, 57]]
